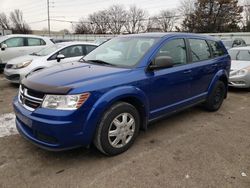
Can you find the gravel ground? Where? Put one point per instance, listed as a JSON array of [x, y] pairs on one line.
[[194, 148]]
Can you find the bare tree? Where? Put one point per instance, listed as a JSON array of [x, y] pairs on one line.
[[83, 27], [163, 22], [152, 25], [187, 7], [117, 18], [4, 21], [18, 24], [166, 20], [100, 21], [135, 19]]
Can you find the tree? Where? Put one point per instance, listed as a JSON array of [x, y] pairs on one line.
[[116, 18], [213, 16], [4, 21], [187, 7], [135, 19], [18, 24], [99, 21], [166, 20], [83, 27]]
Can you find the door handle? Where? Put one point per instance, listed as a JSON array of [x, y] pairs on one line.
[[187, 71], [214, 65]]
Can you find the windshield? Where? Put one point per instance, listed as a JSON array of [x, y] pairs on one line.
[[123, 51], [48, 50], [240, 55]]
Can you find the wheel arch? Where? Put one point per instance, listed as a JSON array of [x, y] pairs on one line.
[[221, 75], [129, 94]]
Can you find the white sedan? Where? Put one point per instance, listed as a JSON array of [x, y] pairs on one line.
[[17, 45], [66, 52], [240, 67]]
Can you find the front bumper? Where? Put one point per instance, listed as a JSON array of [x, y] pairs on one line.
[[51, 129], [14, 76], [240, 81]]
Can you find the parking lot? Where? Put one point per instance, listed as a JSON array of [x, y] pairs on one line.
[[194, 148]]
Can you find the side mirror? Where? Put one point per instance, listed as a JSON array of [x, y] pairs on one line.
[[161, 62], [59, 57], [3, 46]]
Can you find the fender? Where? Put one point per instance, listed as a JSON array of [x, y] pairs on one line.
[[218, 76], [107, 100], [34, 70], [37, 69]]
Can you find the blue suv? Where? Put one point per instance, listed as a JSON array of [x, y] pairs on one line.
[[117, 89]]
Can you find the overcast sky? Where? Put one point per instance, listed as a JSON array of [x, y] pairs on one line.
[[35, 11]]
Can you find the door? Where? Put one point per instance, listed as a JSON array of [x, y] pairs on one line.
[[14, 46], [204, 67], [170, 87]]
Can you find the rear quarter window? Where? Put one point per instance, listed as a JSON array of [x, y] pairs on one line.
[[35, 42], [216, 48], [200, 50]]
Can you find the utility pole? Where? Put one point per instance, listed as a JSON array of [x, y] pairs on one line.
[[48, 17]]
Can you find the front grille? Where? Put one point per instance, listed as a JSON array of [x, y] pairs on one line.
[[29, 98]]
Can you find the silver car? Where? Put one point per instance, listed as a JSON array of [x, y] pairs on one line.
[[16, 69], [240, 67], [13, 46]]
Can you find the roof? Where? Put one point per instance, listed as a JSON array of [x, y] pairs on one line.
[[169, 34], [22, 35], [77, 42]]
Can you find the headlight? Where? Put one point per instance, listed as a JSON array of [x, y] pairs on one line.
[[65, 102], [21, 65], [240, 72]]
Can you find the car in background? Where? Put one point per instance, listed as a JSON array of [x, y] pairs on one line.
[[229, 43], [17, 45], [105, 99], [57, 54], [240, 67], [100, 41]]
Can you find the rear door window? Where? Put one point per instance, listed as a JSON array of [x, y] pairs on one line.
[[199, 50]]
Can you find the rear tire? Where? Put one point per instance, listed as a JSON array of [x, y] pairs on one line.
[[216, 97], [118, 129]]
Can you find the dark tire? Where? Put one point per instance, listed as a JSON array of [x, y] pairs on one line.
[[112, 128], [216, 97]]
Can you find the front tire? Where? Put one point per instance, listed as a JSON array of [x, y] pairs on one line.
[[216, 97], [118, 129]]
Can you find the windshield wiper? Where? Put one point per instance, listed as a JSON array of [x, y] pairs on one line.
[[99, 62], [82, 60]]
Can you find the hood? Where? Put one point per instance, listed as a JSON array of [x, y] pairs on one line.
[[21, 59], [237, 65], [62, 78]]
